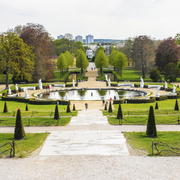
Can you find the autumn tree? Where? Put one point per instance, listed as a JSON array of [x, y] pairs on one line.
[[120, 61], [36, 36], [81, 61], [101, 60], [16, 57], [62, 63], [143, 54], [167, 52]]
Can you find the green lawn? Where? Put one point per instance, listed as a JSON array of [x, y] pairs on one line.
[[139, 141], [23, 148], [35, 121], [142, 120]]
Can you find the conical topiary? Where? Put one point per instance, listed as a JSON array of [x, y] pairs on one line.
[[156, 107], [119, 114], [176, 106], [5, 108], [110, 107], [151, 126], [74, 107], [27, 109], [19, 129], [56, 113], [68, 108], [105, 108]]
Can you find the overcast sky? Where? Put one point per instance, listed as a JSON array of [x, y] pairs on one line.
[[107, 19]]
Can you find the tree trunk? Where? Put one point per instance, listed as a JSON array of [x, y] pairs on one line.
[[81, 71], [7, 80], [101, 71]]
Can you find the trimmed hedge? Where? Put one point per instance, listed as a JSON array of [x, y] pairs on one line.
[[161, 98], [121, 101], [45, 102], [136, 85], [152, 99], [19, 99], [173, 96]]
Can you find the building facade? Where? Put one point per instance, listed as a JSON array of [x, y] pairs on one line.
[[60, 37], [89, 39], [79, 38]]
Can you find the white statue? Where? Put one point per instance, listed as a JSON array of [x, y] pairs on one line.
[[66, 98], [16, 86], [40, 84], [174, 89], [106, 77], [117, 96], [26, 94], [109, 82], [73, 83], [157, 92], [9, 91], [141, 83], [165, 85]]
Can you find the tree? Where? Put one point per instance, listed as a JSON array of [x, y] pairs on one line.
[[151, 126], [69, 58], [156, 107], [36, 36], [68, 36], [176, 108], [119, 114], [19, 129], [120, 61], [56, 113], [110, 107], [155, 75], [5, 108], [111, 57], [81, 61], [101, 60], [62, 63], [167, 52], [143, 54], [16, 57], [171, 72]]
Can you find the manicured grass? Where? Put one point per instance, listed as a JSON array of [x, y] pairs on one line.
[[139, 141], [23, 148], [35, 121], [142, 120]]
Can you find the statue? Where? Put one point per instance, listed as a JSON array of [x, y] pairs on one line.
[[106, 77], [26, 94], [141, 83], [109, 82], [16, 86], [9, 91], [117, 96], [157, 92], [66, 97], [165, 85], [174, 89], [73, 83], [40, 84]]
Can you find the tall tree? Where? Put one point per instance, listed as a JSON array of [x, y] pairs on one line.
[[36, 36], [120, 61], [111, 57], [168, 51], [16, 57], [101, 60], [143, 54], [62, 63], [69, 58], [81, 61]]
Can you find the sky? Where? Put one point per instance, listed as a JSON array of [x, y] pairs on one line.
[[104, 19]]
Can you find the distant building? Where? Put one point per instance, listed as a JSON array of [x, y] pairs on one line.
[[89, 39], [60, 37], [79, 38], [89, 53]]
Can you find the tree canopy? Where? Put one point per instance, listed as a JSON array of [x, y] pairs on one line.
[[101, 60], [143, 54], [81, 60], [62, 63], [168, 51], [16, 57]]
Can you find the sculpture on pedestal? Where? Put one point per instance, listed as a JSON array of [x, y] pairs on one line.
[[40, 84], [141, 83]]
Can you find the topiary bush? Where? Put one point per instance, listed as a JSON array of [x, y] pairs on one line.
[[110, 107], [74, 107], [105, 108], [5, 108], [27, 109], [176, 108], [156, 107], [19, 129], [68, 108], [151, 126], [56, 113], [119, 114]]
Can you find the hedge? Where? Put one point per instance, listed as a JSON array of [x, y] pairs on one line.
[[47, 102], [19, 99], [152, 99], [161, 98], [120, 101]]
